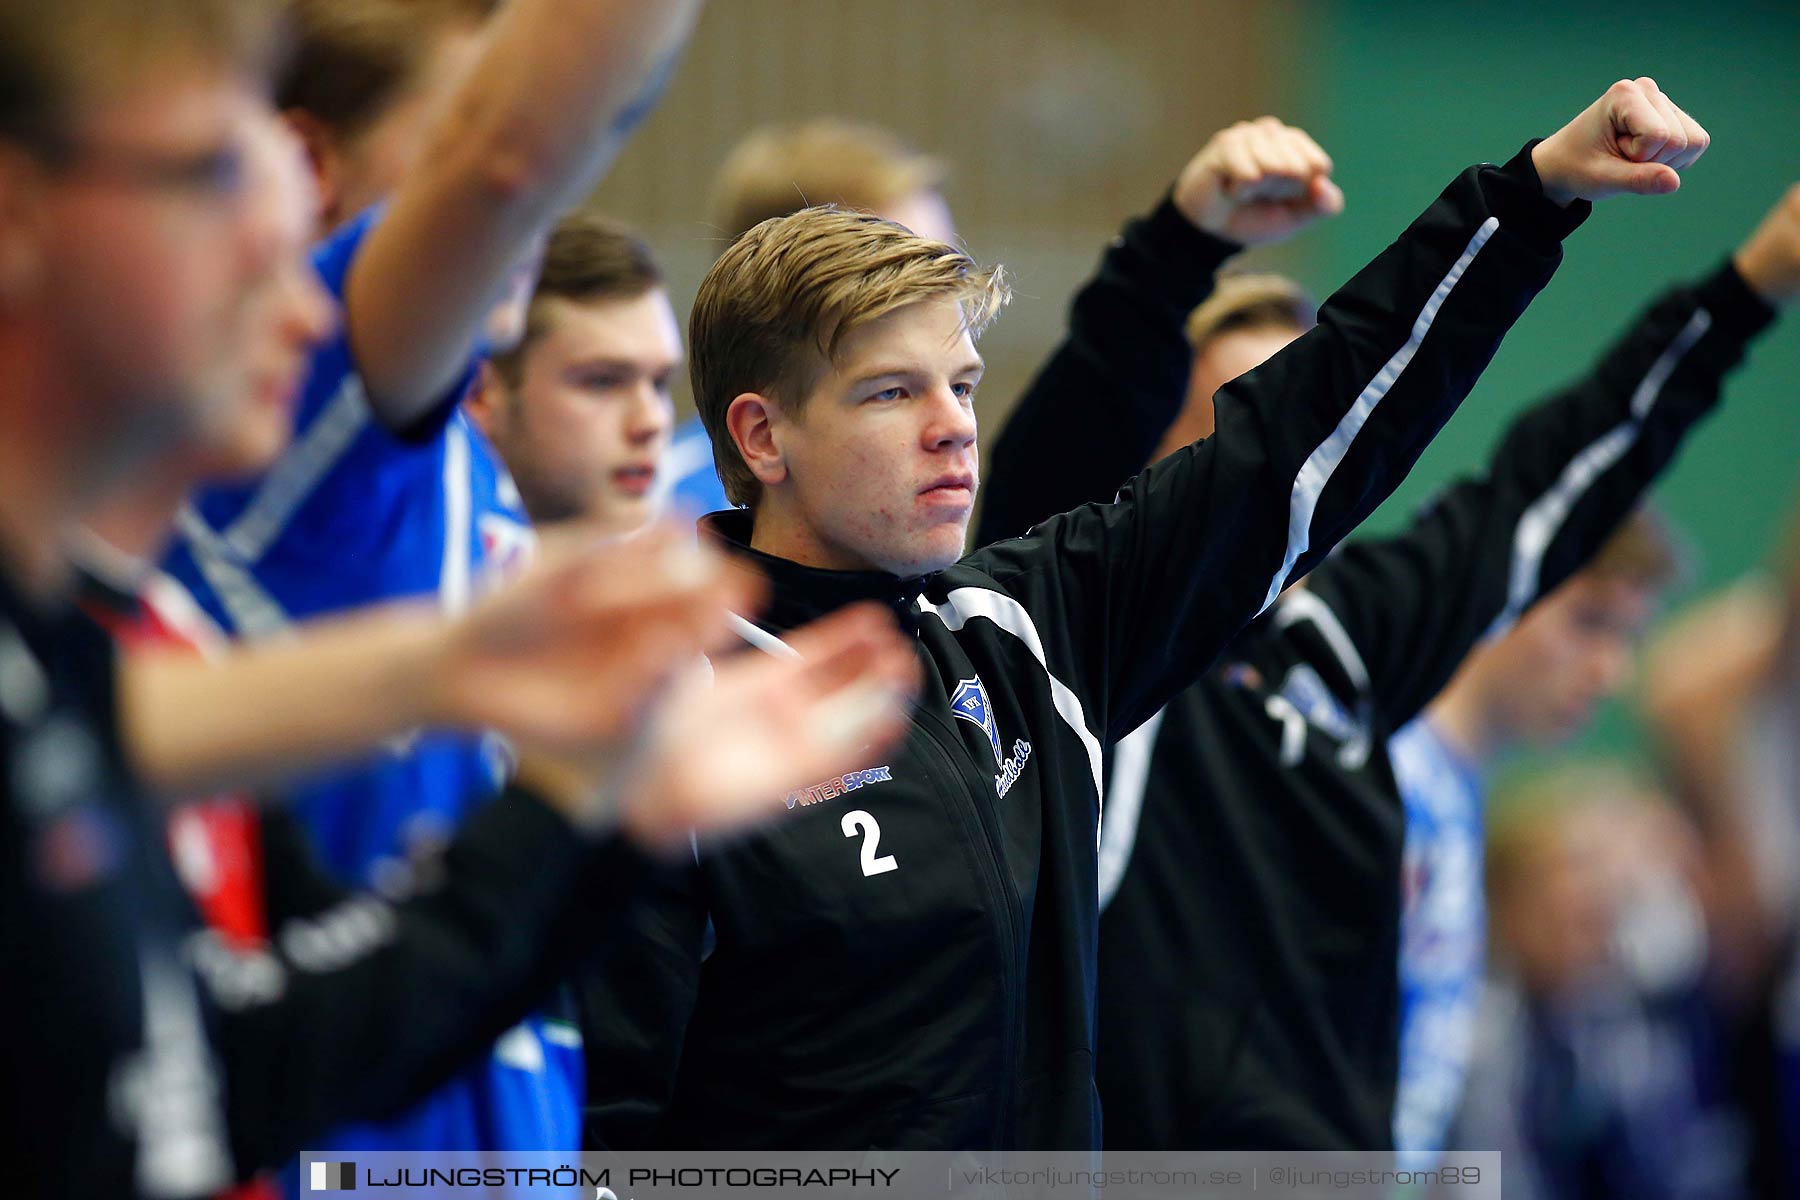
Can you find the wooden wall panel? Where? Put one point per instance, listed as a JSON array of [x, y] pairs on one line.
[[1055, 112], [1059, 119]]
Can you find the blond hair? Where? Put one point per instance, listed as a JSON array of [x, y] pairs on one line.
[[776, 307], [1529, 814], [1642, 551], [1250, 301], [781, 169]]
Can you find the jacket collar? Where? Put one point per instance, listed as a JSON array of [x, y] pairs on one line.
[[800, 593]]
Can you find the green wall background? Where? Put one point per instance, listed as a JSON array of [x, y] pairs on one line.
[[1404, 93]]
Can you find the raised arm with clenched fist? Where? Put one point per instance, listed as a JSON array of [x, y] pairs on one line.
[[1632, 139]]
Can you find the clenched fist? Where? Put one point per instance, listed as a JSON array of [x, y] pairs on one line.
[[1257, 182], [1632, 139]]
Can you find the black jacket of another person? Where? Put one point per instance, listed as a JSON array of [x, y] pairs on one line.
[[907, 959], [148, 1058], [1250, 859]]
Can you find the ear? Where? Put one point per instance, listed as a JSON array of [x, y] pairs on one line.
[[489, 401], [326, 157], [22, 220], [751, 419]]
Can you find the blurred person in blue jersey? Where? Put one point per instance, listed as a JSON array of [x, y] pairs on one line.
[[446, 141], [1540, 684], [386, 489], [1598, 1066]]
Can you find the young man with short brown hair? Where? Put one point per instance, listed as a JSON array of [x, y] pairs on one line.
[[788, 296], [580, 409]]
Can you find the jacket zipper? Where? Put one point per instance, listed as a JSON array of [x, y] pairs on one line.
[[1010, 921]]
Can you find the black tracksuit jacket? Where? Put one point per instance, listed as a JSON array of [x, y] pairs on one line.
[[907, 958], [1251, 849], [147, 1058]]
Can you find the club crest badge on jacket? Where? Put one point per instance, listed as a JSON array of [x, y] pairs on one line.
[[970, 703]]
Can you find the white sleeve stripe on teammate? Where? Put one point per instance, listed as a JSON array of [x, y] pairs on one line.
[[1125, 804], [1002, 610], [176, 608], [285, 488], [1544, 519], [253, 612], [1317, 470], [176, 1107], [1301, 605], [459, 501]]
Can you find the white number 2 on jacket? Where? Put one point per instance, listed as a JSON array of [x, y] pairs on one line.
[[862, 822]]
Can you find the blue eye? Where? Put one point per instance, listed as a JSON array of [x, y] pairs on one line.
[[893, 393], [963, 391]]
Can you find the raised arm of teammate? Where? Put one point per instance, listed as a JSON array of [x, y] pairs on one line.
[[1562, 477], [1310, 443], [558, 88], [1104, 397]]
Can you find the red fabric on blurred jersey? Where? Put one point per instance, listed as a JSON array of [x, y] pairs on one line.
[[215, 842]]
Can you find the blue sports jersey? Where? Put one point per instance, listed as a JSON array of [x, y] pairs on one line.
[[690, 481], [1443, 936], [350, 515], [525, 1096]]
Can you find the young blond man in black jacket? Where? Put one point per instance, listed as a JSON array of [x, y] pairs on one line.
[[907, 960]]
